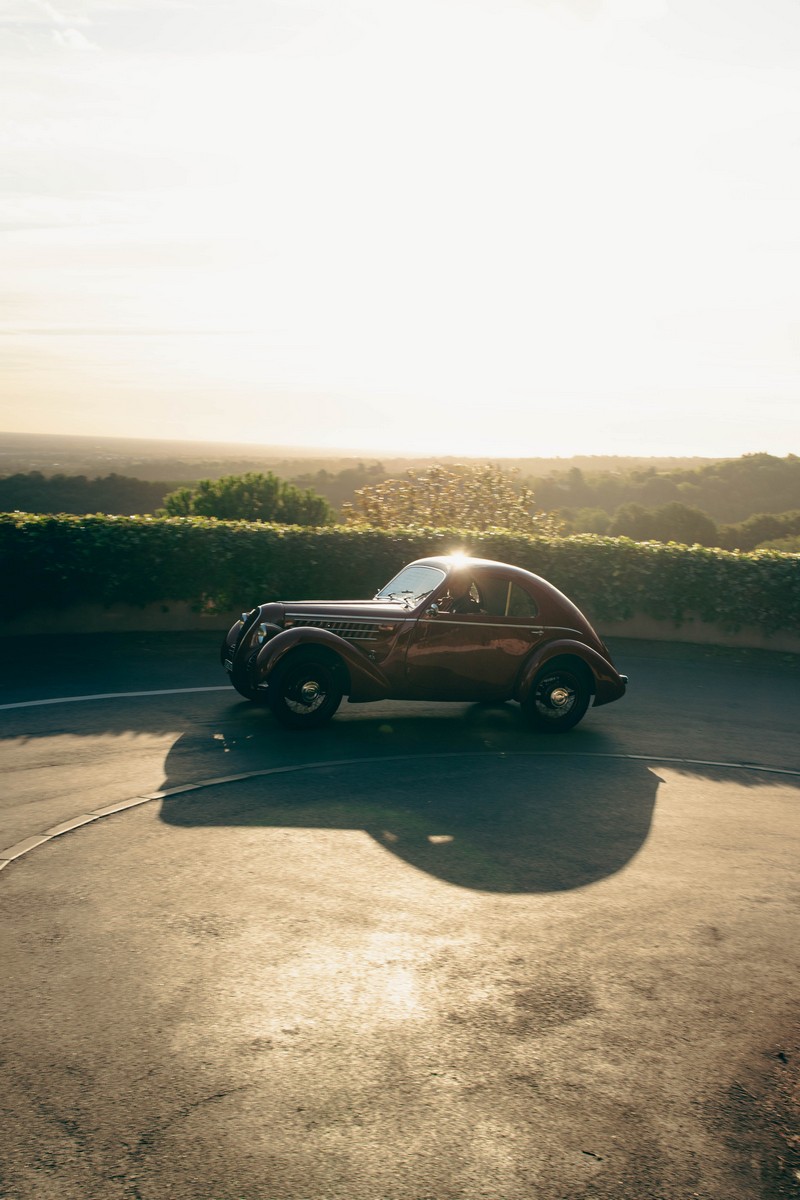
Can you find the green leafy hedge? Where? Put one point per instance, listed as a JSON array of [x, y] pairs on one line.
[[217, 566]]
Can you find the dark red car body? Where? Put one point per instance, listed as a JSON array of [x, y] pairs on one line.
[[522, 640]]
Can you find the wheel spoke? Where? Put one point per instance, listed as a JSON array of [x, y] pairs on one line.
[[304, 694], [559, 699]]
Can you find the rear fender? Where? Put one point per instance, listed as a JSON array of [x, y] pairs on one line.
[[607, 683], [365, 681]]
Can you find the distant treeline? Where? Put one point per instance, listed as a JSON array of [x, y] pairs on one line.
[[676, 522], [188, 461], [125, 495], [736, 504], [115, 494], [729, 490]]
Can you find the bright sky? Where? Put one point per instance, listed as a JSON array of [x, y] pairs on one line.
[[436, 226]]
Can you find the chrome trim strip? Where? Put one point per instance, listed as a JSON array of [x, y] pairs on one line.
[[526, 626], [374, 620]]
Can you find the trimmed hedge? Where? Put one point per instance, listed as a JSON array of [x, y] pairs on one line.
[[219, 566]]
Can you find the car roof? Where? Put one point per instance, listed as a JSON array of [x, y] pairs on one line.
[[464, 562]]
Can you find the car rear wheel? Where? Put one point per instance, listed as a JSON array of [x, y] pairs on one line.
[[304, 693], [558, 699]]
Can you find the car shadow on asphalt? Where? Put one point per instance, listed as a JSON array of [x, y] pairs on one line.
[[467, 794]]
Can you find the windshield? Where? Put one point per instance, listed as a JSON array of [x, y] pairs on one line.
[[413, 584]]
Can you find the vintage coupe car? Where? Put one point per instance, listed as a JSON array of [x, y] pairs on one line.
[[445, 628]]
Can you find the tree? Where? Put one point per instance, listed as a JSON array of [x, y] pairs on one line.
[[178, 503], [468, 497], [632, 521], [60, 493], [250, 497], [585, 520], [727, 490], [760, 530], [673, 522], [338, 487], [787, 545]]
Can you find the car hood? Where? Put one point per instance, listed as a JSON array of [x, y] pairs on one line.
[[384, 610]]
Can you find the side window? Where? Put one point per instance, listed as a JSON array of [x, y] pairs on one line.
[[494, 595], [520, 603], [502, 598]]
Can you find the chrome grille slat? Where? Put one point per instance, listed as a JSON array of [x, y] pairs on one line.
[[352, 631]]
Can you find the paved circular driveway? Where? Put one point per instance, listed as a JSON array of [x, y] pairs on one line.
[[421, 954]]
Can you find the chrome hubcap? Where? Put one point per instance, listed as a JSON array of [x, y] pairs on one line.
[[555, 697], [310, 691]]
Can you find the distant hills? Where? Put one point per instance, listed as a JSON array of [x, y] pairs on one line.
[[185, 461], [741, 503]]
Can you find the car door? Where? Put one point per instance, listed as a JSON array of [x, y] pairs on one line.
[[474, 655]]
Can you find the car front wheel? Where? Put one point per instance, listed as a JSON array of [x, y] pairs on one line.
[[244, 689], [558, 699], [304, 693], [239, 678]]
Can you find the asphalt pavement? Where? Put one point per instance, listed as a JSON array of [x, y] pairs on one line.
[[421, 954]]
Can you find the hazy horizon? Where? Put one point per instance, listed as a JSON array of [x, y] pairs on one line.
[[441, 227], [19, 441]]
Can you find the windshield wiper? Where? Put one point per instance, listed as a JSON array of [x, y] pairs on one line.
[[401, 596], [407, 596]]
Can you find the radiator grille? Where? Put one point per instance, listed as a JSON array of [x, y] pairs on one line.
[[352, 631]]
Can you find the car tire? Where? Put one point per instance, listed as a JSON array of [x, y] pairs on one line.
[[239, 679], [304, 691], [244, 689], [558, 699]]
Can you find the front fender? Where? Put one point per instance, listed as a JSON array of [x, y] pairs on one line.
[[242, 638], [367, 682], [608, 683], [230, 643]]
